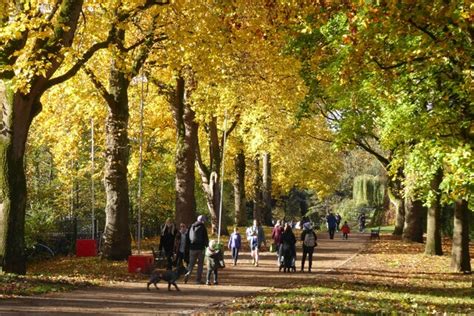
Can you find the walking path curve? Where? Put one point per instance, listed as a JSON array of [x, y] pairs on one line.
[[242, 280]]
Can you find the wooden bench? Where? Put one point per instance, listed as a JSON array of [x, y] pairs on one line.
[[375, 233]]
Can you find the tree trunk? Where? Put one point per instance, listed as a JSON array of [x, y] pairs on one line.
[[17, 113], [185, 157], [414, 214], [239, 190], [210, 177], [394, 191], [433, 229], [257, 188], [117, 240], [267, 190], [460, 258]]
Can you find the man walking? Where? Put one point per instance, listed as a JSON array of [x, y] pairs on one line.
[[198, 240]]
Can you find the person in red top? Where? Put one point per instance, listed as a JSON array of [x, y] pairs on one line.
[[345, 229], [276, 236]]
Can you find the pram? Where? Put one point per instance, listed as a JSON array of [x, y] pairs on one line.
[[287, 259]]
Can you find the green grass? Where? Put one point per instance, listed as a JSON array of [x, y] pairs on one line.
[[354, 299]]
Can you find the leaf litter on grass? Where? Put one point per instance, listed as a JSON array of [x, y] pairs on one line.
[[388, 276]]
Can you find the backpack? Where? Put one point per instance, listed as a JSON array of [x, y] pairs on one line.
[[309, 240], [196, 235]]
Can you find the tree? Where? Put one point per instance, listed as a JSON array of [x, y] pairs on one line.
[[117, 241], [460, 259], [413, 59], [257, 190], [239, 190], [33, 40], [267, 189], [179, 100], [433, 230]]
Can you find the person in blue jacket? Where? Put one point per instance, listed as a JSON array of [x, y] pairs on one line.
[[235, 242], [332, 224]]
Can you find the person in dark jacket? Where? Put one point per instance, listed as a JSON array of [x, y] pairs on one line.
[[288, 250], [181, 246], [308, 237], [168, 233], [332, 224], [198, 240]]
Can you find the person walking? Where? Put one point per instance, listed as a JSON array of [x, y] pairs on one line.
[[288, 249], [235, 242], [277, 231], [361, 220], [181, 246], [309, 239], [338, 221], [256, 237], [345, 229], [331, 221], [168, 233], [198, 240]]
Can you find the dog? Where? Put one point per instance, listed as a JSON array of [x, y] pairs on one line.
[[169, 276]]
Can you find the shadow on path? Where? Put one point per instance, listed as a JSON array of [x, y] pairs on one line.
[[235, 281]]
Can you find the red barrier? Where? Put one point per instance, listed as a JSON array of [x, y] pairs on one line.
[[86, 248], [139, 263]]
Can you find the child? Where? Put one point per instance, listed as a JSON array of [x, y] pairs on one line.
[[234, 245], [214, 257], [345, 231], [254, 248]]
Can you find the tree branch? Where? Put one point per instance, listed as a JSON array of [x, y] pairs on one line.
[[423, 29], [203, 169], [384, 161], [164, 89], [320, 139], [80, 62], [98, 85], [399, 64]]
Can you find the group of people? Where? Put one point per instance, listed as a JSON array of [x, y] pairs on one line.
[[188, 247], [333, 223], [284, 241], [191, 246]]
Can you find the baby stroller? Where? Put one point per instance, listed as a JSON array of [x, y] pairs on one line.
[[287, 259]]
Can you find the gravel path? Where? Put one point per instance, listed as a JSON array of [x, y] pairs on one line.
[[241, 280]]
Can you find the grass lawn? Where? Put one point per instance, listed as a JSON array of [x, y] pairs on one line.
[[390, 276]]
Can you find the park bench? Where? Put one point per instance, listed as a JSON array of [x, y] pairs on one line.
[[375, 233]]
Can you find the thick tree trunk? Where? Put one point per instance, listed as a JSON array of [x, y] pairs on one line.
[[394, 191], [185, 158], [117, 240], [267, 190], [257, 189], [460, 258], [414, 214], [433, 228], [17, 114], [239, 190]]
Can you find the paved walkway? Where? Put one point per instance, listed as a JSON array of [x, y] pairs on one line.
[[241, 280]]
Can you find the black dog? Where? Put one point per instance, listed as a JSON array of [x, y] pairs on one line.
[[169, 276]]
